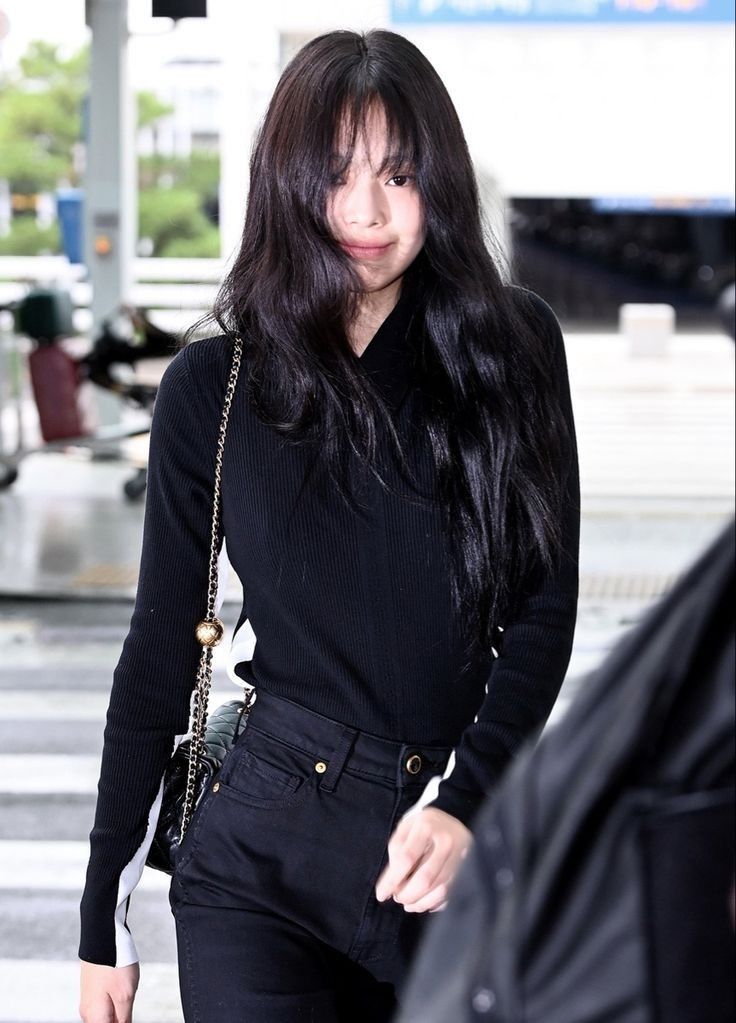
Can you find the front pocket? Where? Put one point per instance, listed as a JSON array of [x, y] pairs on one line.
[[257, 780]]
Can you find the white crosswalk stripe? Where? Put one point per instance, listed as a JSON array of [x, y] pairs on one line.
[[72, 705], [58, 866], [47, 991], [57, 705], [52, 773]]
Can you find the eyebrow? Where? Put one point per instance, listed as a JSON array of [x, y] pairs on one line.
[[389, 160]]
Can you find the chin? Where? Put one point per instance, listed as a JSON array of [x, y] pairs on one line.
[[377, 282]]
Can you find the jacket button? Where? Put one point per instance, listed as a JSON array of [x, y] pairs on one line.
[[414, 764], [483, 1000], [320, 767], [493, 837], [504, 877], [216, 786]]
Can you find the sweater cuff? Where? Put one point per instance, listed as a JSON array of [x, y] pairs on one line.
[[105, 938], [97, 917], [459, 803]]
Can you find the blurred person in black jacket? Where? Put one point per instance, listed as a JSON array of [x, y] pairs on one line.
[[600, 883]]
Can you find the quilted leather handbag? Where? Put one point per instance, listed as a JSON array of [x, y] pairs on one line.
[[199, 756]]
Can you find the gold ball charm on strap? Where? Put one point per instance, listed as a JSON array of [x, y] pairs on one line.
[[209, 632]]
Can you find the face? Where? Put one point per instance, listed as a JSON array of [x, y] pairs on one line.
[[376, 218]]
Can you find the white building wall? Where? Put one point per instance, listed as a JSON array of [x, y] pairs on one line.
[[605, 110]]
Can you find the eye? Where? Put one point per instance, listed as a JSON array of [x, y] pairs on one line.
[[401, 179]]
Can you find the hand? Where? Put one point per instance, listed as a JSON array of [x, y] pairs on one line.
[[424, 853], [106, 993]]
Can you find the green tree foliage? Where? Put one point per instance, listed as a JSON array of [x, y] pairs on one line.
[[200, 172], [203, 246], [41, 135], [151, 109], [28, 239], [172, 193], [168, 214], [41, 118]]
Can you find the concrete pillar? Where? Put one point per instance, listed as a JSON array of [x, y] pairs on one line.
[[110, 179]]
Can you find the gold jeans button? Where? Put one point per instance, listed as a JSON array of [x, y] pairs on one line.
[[414, 764], [320, 767]]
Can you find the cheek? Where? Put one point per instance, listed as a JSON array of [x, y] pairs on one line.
[[421, 232], [411, 219]]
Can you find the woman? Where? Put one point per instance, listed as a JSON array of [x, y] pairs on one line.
[[399, 494]]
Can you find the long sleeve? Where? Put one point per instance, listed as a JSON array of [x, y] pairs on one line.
[[535, 647], [149, 707]]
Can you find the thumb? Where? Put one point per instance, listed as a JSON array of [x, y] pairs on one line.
[[100, 1010], [123, 1012]]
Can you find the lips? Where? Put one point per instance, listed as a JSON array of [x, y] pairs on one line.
[[361, 250]]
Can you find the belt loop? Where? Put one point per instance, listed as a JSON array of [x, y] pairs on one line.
[[338, 758]]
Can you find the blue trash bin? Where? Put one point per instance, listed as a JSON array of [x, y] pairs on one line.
[[70, 211]]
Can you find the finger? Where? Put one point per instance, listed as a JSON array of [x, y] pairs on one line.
[[431, 901], [123, 1010], [123, 1014], [98, 1012], [403, 850], [404, 858], [395, 837], [428, 872], [395, 844]]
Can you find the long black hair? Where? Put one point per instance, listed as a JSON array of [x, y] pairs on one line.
[[494, 423]]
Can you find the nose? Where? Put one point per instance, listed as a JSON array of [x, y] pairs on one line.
[[363, 204]]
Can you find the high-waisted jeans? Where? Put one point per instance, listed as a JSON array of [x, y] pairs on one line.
[[273, 891]]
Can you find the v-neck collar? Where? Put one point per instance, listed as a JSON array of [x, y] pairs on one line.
[[388, 356]]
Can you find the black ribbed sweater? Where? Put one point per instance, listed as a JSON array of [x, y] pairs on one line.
[[352, 613]]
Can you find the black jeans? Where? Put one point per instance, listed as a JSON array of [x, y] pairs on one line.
[[273, 891]]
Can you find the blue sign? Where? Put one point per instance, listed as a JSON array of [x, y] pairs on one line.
[[561, 11], [70, 212]]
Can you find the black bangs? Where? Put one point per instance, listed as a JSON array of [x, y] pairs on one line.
[[402, 135]]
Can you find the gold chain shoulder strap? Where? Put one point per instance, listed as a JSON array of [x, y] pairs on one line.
[[210, 630]]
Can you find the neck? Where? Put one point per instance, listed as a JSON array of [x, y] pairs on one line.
[[372, 311]]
